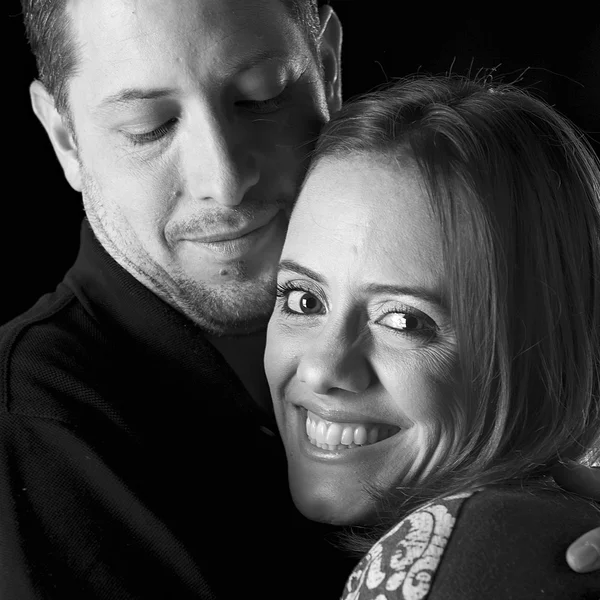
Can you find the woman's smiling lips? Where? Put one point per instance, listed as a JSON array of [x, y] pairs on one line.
[[330, 435]]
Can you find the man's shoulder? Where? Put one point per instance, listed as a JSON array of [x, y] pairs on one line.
[[46, 353]]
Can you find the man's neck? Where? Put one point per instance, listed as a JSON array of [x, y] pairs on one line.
[[244, 354]]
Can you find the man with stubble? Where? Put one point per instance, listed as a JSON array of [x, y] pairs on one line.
[[140, 455]]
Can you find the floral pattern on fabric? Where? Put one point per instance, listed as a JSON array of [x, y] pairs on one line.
[[402, 564]]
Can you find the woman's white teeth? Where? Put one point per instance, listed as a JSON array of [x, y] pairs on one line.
[[347, 436], [340, 436]]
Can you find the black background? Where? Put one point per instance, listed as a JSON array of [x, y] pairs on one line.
[[556, 54]]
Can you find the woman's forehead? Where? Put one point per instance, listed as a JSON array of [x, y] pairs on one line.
[[366, 196], [364, 212]]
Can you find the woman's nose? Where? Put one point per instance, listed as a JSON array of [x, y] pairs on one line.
[[334, 362]]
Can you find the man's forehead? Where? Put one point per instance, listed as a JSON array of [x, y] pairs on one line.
[[227, 31], [148, 48]]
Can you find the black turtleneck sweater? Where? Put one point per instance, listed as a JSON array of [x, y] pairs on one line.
[[133, 463]]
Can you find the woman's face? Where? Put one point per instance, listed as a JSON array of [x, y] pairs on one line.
[[360, 349]]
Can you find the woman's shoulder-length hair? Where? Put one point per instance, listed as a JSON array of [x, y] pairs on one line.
[[516, 189]]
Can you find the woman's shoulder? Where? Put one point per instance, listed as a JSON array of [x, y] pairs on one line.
[[492, 543], [402, 563]]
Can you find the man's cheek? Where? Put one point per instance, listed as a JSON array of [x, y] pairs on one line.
[[155, 183]]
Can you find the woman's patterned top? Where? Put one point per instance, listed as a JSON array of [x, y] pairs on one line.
[[403, 562], [493, 544]]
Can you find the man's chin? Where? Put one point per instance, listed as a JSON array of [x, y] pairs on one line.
[[226, 323], [230, 308]]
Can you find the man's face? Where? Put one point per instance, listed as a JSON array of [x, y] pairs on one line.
[[193, 119]]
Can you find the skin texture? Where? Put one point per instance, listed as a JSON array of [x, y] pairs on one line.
[[232, 98], [352, 357]]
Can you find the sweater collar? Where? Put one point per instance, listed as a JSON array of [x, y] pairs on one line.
[[129, 310]]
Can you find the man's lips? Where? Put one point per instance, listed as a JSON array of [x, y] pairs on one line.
[[229, 235]]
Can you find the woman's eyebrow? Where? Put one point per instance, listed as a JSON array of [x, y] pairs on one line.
[[424, 294], [293, 266], [427, 295]]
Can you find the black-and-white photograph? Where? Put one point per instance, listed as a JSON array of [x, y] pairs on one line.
[[301, 301]]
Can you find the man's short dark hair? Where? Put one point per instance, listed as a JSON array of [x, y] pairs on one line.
[[50, 36], [48, 30]]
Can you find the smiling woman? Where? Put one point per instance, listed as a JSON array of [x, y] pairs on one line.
[[434, 351], [377, 349]]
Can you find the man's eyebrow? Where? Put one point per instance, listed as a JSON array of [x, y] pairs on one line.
[[294, 267], [262, 56], [429, 296], [297, 62], [129, 95]]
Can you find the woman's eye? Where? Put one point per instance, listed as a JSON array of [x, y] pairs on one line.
[[303, 303], [408, 323], [154, 135]]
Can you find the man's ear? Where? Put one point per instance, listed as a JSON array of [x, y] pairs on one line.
[[330, 38], [58, 131]]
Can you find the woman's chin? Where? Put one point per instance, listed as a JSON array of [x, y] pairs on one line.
[[332, 511]]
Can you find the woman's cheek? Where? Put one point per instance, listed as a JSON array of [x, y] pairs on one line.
[[282, 351]]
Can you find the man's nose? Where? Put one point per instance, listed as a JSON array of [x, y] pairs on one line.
[[222, 163], [335, 361]]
